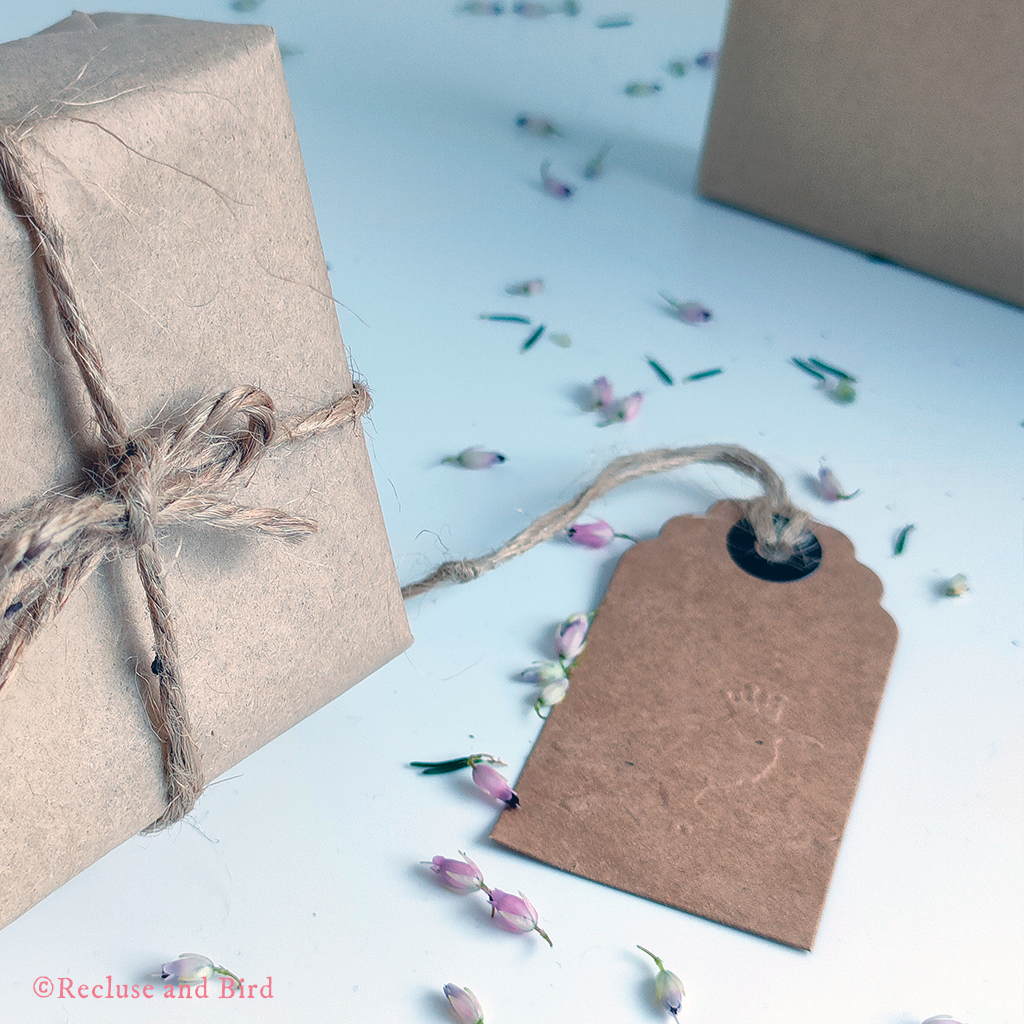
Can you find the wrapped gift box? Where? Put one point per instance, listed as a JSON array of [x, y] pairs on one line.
[[167, 153], [892, 126]]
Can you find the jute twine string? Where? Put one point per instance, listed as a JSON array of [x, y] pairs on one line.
[[141, 481], [777, 523]]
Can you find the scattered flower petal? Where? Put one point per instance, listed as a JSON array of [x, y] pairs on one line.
[[508, 318], [532, 287], [957, 586], [570, 8], [461, 876], [494, 784], [515, 913], [942, 1018], [901, 539], [571, 637], [539, 126], [552, 694], [829, 487], [245, 6], [475, 458], [465, 1005], [601, 394], [668, 989], [691, 312], [642, 88], [707, 59], [622, 21], [561, 340], [678, 68], [478, 7], [629, 407], [555, 188], [543, 672]]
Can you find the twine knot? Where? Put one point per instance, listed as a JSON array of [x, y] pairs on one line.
[[139, 482]]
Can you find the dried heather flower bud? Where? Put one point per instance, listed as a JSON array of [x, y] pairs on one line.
[[571, 637], [601, 395], [668, 989], [532, 287], [475, 458], [515, 913], [829, 487], [552, 694], [494, 784], [957, 586], [465, 1005], [543, 672], [554, 187], [460, 876], [629, 407]]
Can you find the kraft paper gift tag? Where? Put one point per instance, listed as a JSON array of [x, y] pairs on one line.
[[708, 750]]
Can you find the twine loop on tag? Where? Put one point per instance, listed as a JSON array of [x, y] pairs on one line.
[[169, 474], [777, 523]]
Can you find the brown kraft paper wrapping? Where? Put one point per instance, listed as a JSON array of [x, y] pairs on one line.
[[892, 126], [707, 753], [167, 152]]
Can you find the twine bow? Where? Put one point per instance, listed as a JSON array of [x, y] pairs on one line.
[[140, 482]]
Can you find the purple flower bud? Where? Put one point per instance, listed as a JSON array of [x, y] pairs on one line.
[[829, 487], [668, 989], [530, 10], [552, 694], [689, 312], [554, 187], [539, 126], [475, 458], [465, 1005], [515, 913], [192, 967], [591, 535], [187, 969], [532, 287], [571, 637], [601, 396], [543, 672], [457, 875], [629, 407], [494, 784], [707, 59]]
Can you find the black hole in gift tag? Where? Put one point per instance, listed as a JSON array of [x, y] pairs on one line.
[[742, 545]]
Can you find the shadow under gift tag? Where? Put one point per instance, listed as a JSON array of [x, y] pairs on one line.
[[708, 751]]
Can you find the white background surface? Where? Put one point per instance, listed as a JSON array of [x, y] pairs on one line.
[[305, 865]]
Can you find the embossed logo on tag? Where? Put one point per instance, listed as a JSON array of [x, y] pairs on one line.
[[709, 748]]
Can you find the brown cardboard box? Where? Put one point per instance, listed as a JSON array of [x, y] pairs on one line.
[[892, 126], [168, 154]]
